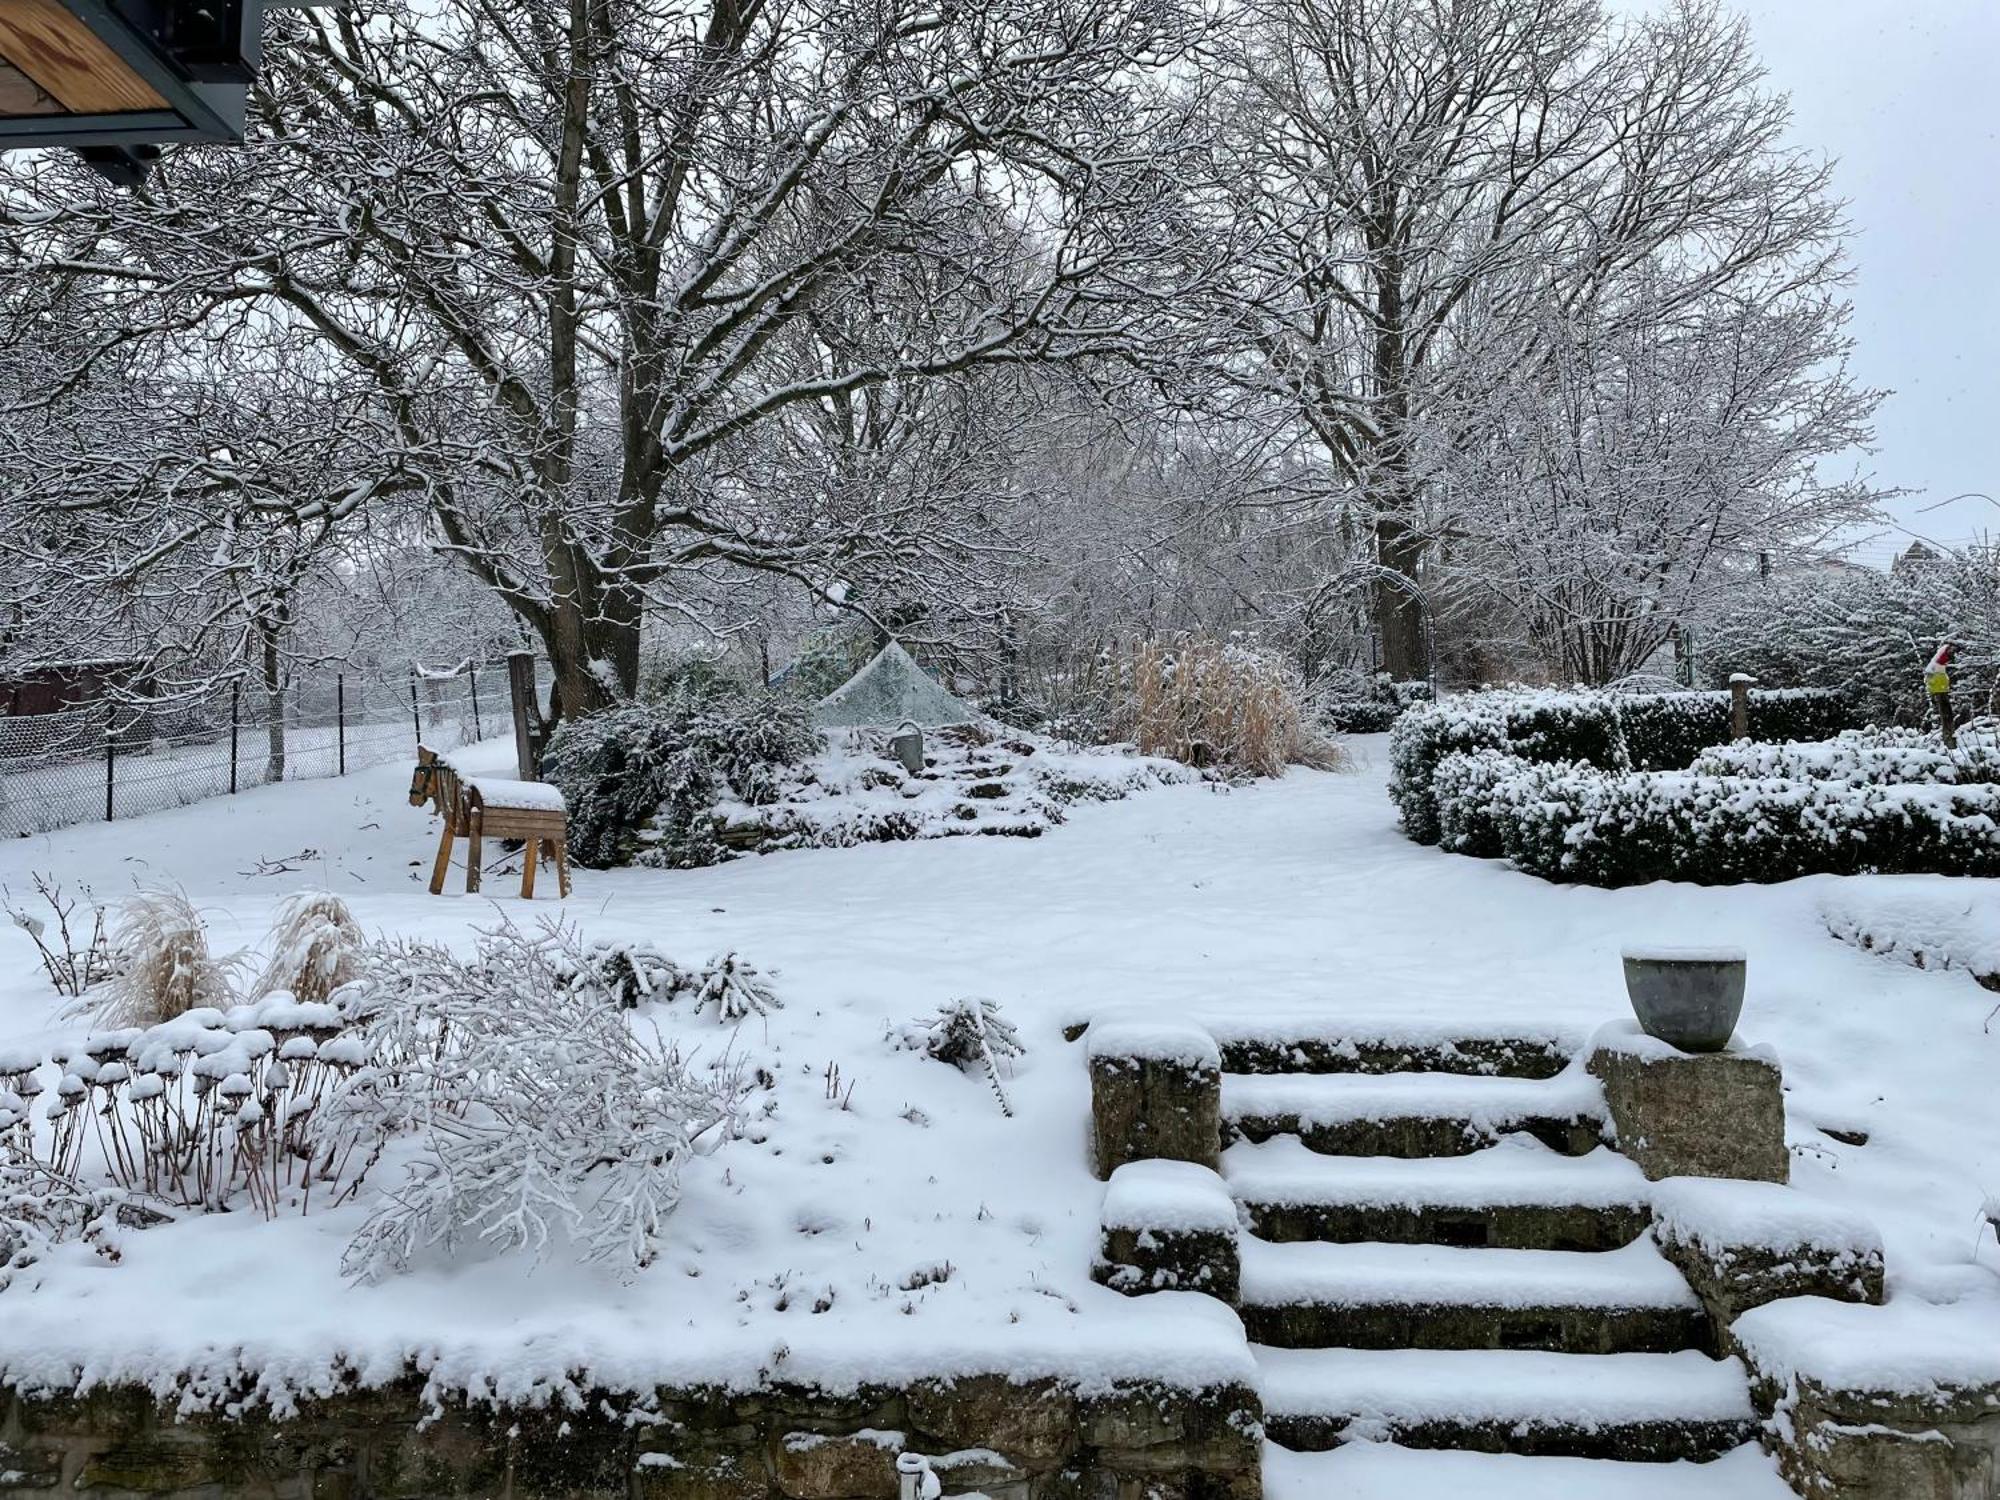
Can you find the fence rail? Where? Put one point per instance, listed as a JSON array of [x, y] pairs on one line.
[[104, 761]]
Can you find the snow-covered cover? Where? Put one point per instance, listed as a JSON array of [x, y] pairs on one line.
[[1308, 1272], [1387, 1386], [1155, 1041], [1517, 1169], [1168, 1195], [1908, 1346], [1690, 953], [1489, 1104], [1628, 1037], [1929, 922], [525, 796], [1722, 1215]]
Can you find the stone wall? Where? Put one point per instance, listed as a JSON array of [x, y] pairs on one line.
[[1039, 1440]]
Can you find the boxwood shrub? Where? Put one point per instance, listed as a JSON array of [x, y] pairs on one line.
[[1608, 731], [1573, 822]]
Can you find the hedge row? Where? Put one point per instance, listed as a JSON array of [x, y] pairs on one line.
[[1611, 731], [1574, 822], [1858, 758]]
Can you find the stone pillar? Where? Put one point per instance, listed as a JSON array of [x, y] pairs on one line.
[[1169, 1226], [1684, 1114], [1155, 1091]]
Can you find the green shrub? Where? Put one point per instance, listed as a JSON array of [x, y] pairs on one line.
[[659, 766], [1572, 822]]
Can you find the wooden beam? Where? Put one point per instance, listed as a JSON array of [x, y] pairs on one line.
[[19, 96], [62, 55]]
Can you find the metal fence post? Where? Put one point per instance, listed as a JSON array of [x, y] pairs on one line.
[[340, 716], [110, 767], [416, 714], [235, 726], [477, 732]]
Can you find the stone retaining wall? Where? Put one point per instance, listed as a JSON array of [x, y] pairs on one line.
[[1039, 1440]]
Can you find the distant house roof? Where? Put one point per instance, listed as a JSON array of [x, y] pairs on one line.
[[892, 688]]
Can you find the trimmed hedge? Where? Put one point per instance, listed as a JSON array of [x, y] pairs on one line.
[[1610, 731], [1859, 759], [1573, 822]]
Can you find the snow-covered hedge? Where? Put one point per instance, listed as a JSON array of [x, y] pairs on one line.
[[1609, 731], [1573, 822], [1858, 758]]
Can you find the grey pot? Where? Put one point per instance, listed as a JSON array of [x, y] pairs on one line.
[[1689, 998]]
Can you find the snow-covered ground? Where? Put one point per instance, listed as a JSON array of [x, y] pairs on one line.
[[890, 1218]]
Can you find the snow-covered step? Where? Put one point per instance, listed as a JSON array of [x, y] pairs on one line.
[[1375, 1296], [1310, 1044], [1637, 1407], [1412, 1114], [1383, 1471], [1517, 1194]]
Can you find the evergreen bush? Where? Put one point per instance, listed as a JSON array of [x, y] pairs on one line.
[[664, 763]]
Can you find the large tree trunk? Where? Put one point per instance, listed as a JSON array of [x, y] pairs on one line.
[[593, 644], [1399, 614]]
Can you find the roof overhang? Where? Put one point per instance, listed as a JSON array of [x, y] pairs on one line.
[[125, 73]]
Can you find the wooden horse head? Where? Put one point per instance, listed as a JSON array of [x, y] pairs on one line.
[[427, 780]]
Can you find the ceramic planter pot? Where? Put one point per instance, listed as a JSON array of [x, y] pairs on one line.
[[1687, 997]]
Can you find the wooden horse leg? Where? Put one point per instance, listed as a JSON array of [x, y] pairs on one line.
[[562, 865], [442, 865], [475, 850], [531, 854]]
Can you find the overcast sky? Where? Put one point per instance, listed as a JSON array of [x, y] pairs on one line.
[[1904, 95]]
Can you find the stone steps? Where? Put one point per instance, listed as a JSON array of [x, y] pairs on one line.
[[1412, 1114], [1516, 1194], [1382, 1471], [1386, 1297], [1632, 1407]]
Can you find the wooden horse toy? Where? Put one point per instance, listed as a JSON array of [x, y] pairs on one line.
[[477, 808]]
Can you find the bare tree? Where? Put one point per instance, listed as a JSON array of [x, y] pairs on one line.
[[1424, 173], [572, 256]]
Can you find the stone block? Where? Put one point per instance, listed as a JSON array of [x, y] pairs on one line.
[[1743, 1244], [1031, 1424], [854, 1466], [664, 1474], [1155, 1091], [1682, 1114], [1169, 1226]]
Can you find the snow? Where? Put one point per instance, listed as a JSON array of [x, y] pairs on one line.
[[1172, 1195], [1403, 1386], [1409, 1032], [1909, 1346], [526, 796], [1155, 1041], [1721, 1215], [1632, 1040], [1689, 954], [1304, 1272], [942, 1235], [1518, 1169], [1488, 1104], [1382, 1471], [1927, 921]]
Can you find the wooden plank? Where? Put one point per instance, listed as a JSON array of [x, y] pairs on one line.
[[19, 96], [63, 56]]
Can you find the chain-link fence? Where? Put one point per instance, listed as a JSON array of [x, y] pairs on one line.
[[114, 761]]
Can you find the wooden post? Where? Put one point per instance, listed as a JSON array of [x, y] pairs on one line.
[[340, 716], [1739, 705], [521, 687]]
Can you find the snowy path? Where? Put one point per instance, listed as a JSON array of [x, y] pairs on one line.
[[1292, 898]]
